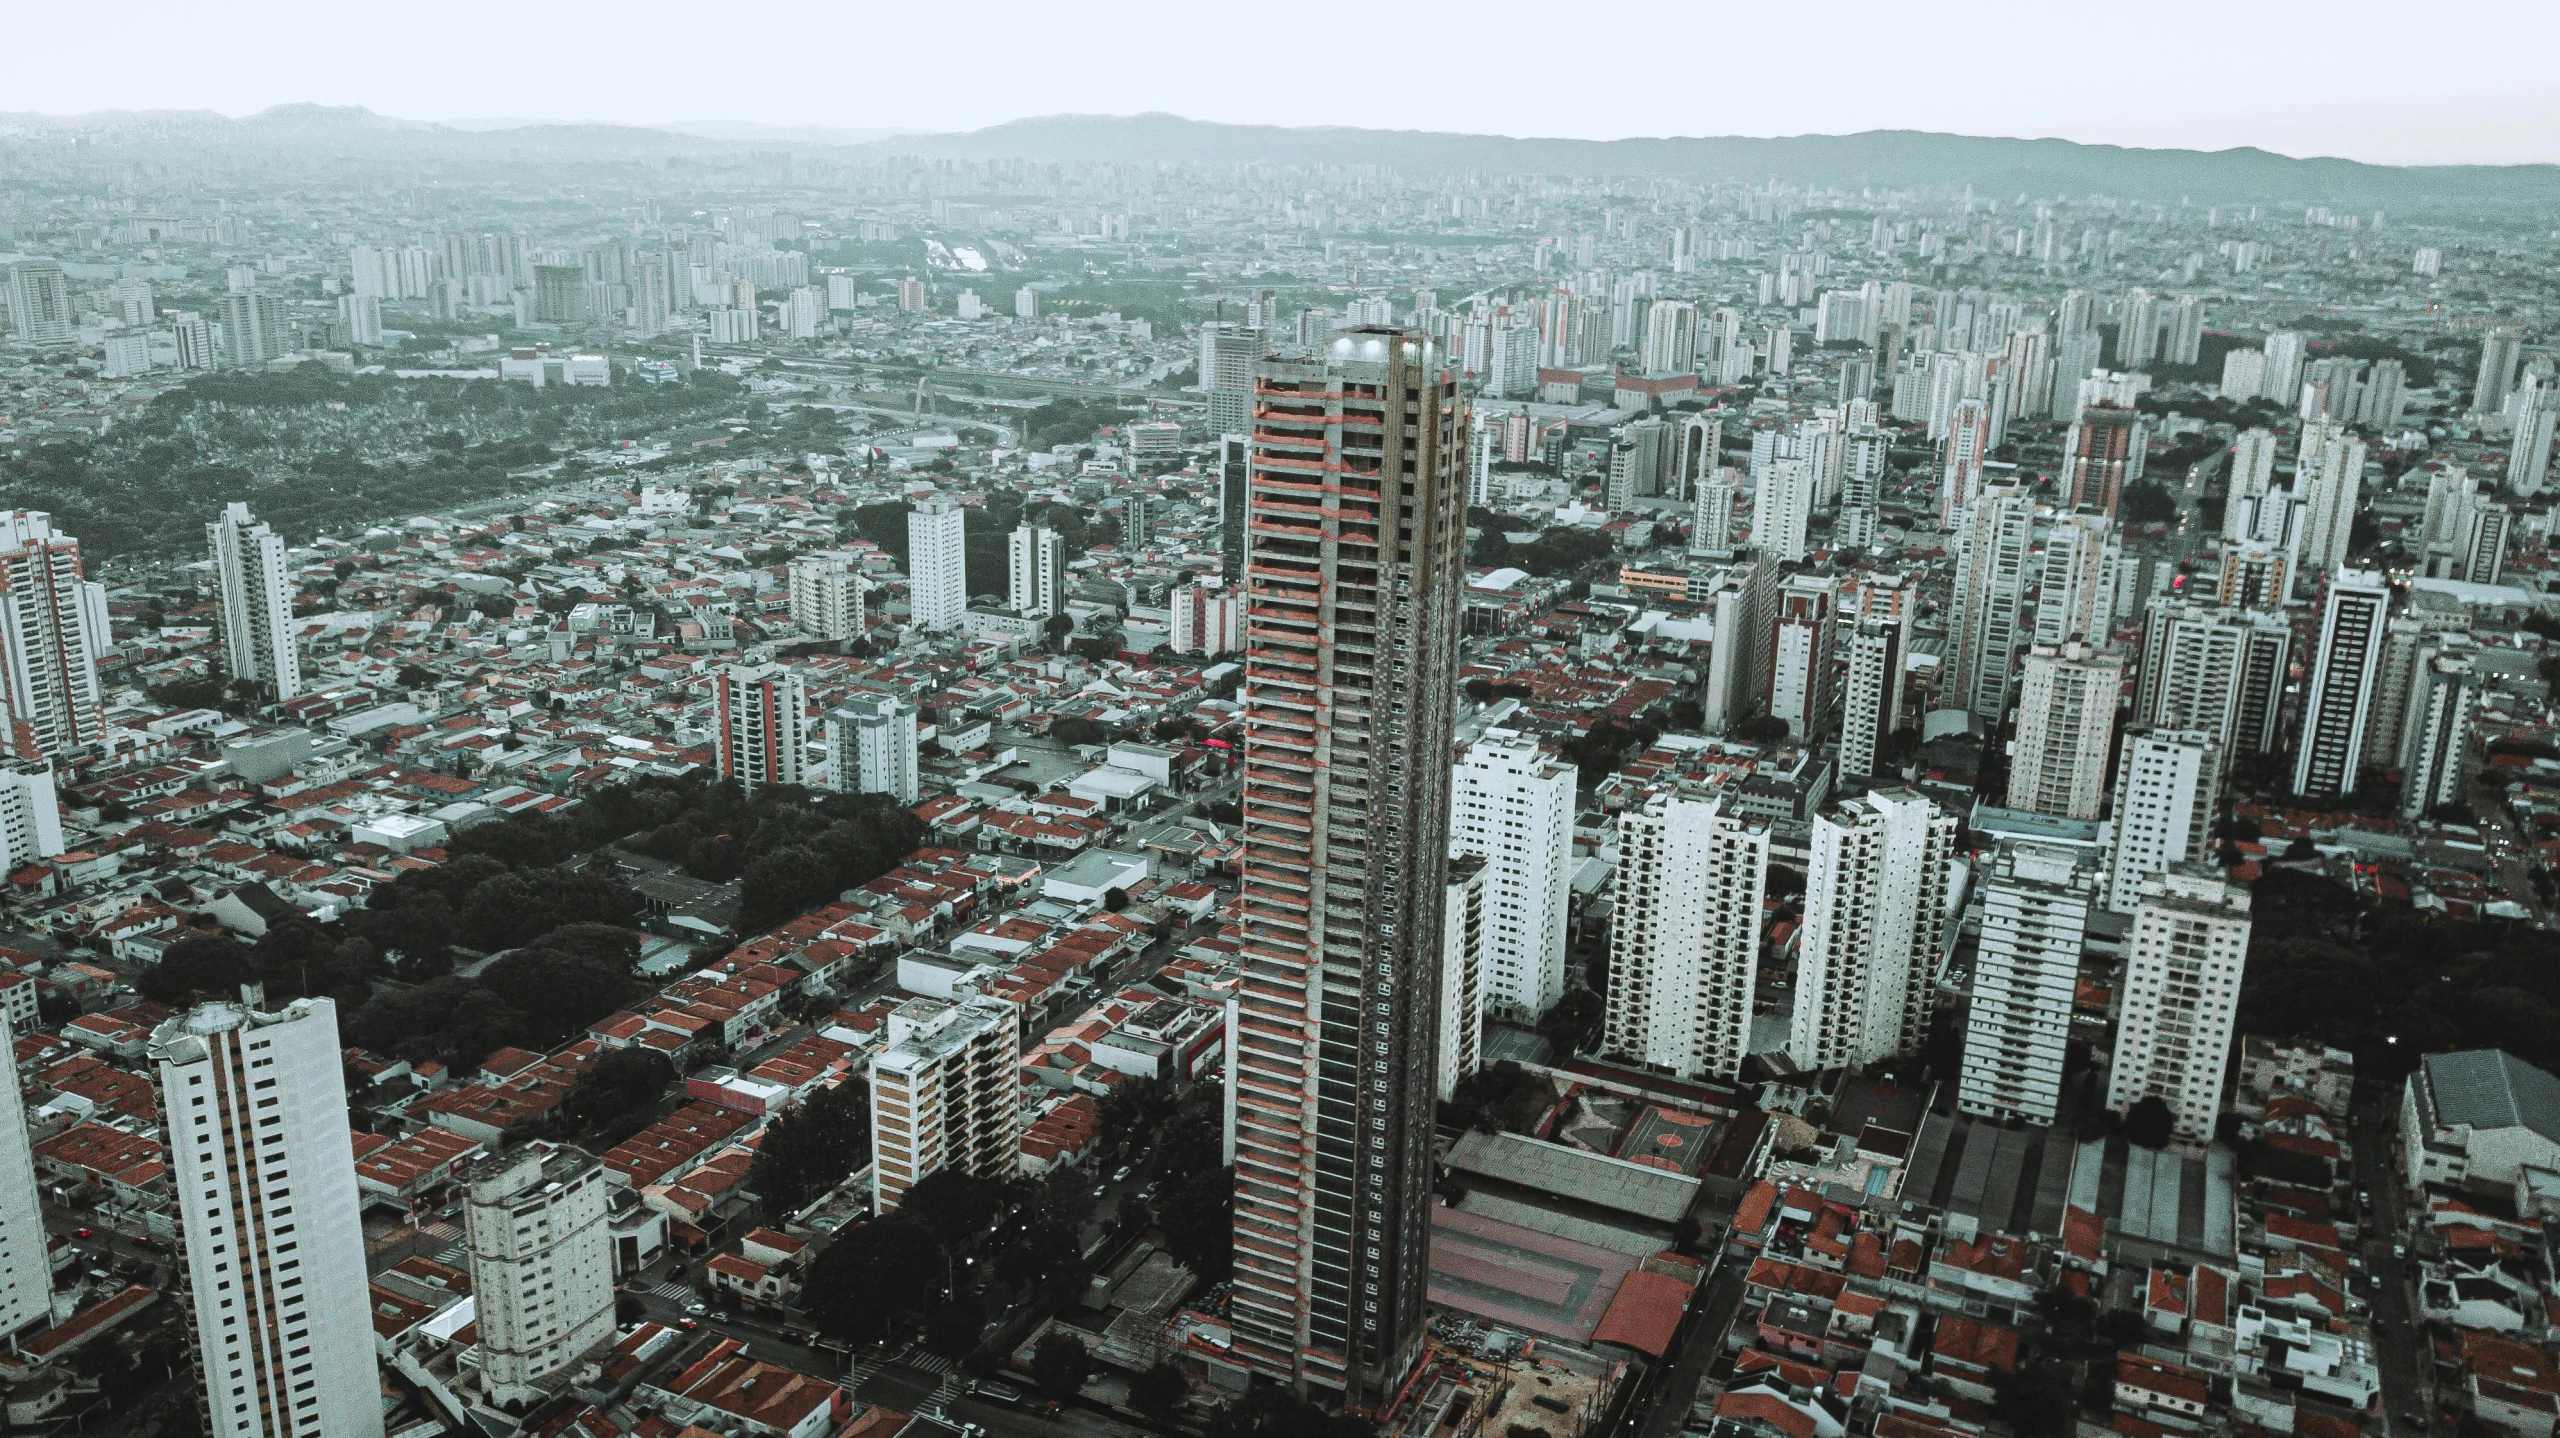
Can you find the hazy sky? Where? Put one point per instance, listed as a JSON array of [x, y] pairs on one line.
[[2452, 80]]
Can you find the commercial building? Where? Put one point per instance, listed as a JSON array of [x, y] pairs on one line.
[[1876, 926], [2477, 1119], [253, 603], [761, 709], [1513, 805], [937, 565], [872, 748], [945, 1095], [2181, 991], [263, 1176], [1357, 496], [826, 596], [2026, 976], [534, 1221], [1684, 938]]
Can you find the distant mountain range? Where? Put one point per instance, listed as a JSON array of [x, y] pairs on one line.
[[1879, 158]]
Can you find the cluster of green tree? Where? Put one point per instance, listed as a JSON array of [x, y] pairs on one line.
[[624, 1093], [810, 1149], [485, 901], [2390, 985], [1485, 691], [1067, 420], [1501, 1096], [791, 849], [535, 997], [315, 450], [1176, 1137], [1270, 1411], [2145, 501], [953, 1246], [1559, 550], [1597, 751]]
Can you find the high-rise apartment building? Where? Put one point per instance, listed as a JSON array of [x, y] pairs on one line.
[[254, 329], [2026, 976], [1862, 477], [872, 747], [1235, 452], [262, 1173], [1228, 353], [1684, 938], [26, 1272], [1670, 338], [2328, 477], [1800, 652], [2181, 991], [2537, 411], [945, 1095], [40, 310], [1986, 632], [1356, 570], [1512, 804], [1207, 617], [826, 596], [2075, 596], [253, 603], [2435, 757], [2219, 670], [1462, 941], [1871, 696], [2337, 704], [1875, 929], [937, 565], [1036, 569], [2408, 641], [2168, 789], [761, 709], [2500, 350], [48, 667], [2102, 453], [2285, 356], [533, 1220], [1783, 508], [2066, 716]]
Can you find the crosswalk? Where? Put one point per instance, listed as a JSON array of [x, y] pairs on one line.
[[665, 1288]]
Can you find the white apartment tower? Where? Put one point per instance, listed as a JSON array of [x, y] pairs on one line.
[[30, 817], [2074, 600], [760, 708], [1513, 805], [2066, 714], [2327, 478], [1783, 508], [2338, 702], [2026, 972], [944, 1094], [2168, 788], [263, 1173], [826, 596], [48, 667], [1984, 633], [2181, 990], [1462, 939], [937, 565], [1036, 565], [253, 602], [872, 748], [1684, 942], [541, 1265], [1875, 927], [26, 1276], [2436, 754], [2219, 670]]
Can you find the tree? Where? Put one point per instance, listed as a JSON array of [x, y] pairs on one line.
[[1060, 1365], [810, 1149], [1198, 1219], [1077, 730], [623, 1083], [1159, 1392], [877, 1275], [783, 885], [207, 965], [2149, 1123]]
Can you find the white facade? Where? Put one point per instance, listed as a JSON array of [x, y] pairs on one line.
[[871, 748], [1208, 618], [1462, 935], [2328, 477], [2338, 702], [1037, 567], [937, 565], [26, 1278], [1983, 636], [48, 672], [1875, 928], [2181, 991], [253, 602], [1800, 653], [2074, 601], [2026, 973], [2436, 756], [30, 818], [2168, 788], [263, 1176], [826, 596], [1684, 942], [541, 1265], [2066, 715], [1513, 805], [944, 1094], [1783, 508]]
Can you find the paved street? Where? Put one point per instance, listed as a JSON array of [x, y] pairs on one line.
[[2400, 1351]]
